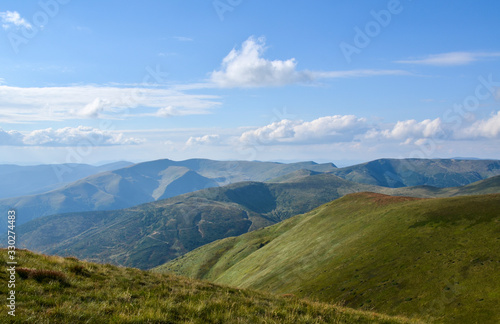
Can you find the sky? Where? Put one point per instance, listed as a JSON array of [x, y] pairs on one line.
[[327, 81]]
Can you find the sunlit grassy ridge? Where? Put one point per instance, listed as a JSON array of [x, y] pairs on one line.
[[52, 289], [433, 258]]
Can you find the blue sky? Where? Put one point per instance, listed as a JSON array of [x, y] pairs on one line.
[[339, 81]]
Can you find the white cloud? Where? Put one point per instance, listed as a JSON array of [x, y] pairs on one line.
[[356, 131], [10, 138], [408, 131], [489, 128], [247, 68], [325, 129], [451, 59], [77, 102], [13, 19], [203, 140], [171, 111], [68, 136], [93, 109]]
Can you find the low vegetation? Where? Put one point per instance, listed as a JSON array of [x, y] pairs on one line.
[[51, 289]]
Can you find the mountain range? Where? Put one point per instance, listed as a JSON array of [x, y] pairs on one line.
[[155, 180], [148, 235], [141, 183], [400, 237], [19, 180]]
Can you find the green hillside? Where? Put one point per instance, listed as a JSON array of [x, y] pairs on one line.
[[431, 258], [52, 289]]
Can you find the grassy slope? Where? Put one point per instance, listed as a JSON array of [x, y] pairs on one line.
[[52, 289], [434, 258]]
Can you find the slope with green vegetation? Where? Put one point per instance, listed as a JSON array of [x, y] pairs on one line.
[[52, 289], [431, 258]]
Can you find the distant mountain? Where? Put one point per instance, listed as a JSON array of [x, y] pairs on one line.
[[430, 258], [20, 180], [141, 183], [148, 235], [487, 186], [151, 181], [441, 173]]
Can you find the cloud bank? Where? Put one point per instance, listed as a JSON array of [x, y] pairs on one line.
[[203, 140], [82, 102], [353, 129], [324, 129], [67, 136]]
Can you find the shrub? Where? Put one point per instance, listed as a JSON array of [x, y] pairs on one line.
[[79, 269], [41, 275]]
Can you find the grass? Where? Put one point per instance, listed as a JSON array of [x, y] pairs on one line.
[[436, 259], [51, 289]]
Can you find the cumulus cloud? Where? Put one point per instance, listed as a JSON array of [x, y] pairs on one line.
[[13, 19], [451, 59], [350, 128], [68, 136], [247, 68], [10, 138], [77, 102], [203, 140], [408, 130], [489, 128], [336, 128]]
